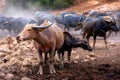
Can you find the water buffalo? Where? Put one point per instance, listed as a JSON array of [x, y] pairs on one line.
[[80, 24], [94, 13], [16, 24], [97, 14], [71, 42], [41, 16], [46, 39], [70, 20], [98, 27], [60, 17], [117, 19], [3, 19]]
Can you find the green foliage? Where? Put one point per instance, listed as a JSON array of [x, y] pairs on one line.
[[54, 4], [58, 4]]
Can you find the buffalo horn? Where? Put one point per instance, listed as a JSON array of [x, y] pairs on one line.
[[42, 27]]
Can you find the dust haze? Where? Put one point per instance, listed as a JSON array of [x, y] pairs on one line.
[[12, 10]]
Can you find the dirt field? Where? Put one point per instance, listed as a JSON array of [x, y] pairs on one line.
[[20, 61], [22, 64]]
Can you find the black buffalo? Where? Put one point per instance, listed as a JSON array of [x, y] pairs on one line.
[[117, 19], [99, 14], [71, 42], [98, 27], [16, 24], [92, 13], [60, 17], [3, 20], [70, 19], [41, 16]]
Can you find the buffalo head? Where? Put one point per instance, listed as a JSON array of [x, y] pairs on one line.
[[83, 44], [31, 31], [110, 23], [79, 26]]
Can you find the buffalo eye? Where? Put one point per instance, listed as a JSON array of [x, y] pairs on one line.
[[29, 30]]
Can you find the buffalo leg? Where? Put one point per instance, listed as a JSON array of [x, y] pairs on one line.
[[51, 63], [46, 57], [61, 59], [40, 71], [84, 35], [105, 41], [109, 33], [94, 41], [88, 37], [69, 55], [62, 55]]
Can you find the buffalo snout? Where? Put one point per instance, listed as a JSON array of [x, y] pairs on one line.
[[90, 49], [114, 28], [18, 39], [85, 45]]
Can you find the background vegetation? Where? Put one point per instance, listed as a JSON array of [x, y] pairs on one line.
[[52, 4]]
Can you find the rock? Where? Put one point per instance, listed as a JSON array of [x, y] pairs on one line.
[[9, 76], [92, 54], [92, 58], [86, 60], [27, 62], [21, 59], [24, 69], [13, 60], [76, 61], [87, 57], [76, 57], [2, 74], [34, 58], [1, 61], [15, 42], [15, 53], [25, 78], [3, 54], [7, 57]]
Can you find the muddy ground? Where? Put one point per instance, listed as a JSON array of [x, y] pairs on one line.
[[20, 62]]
